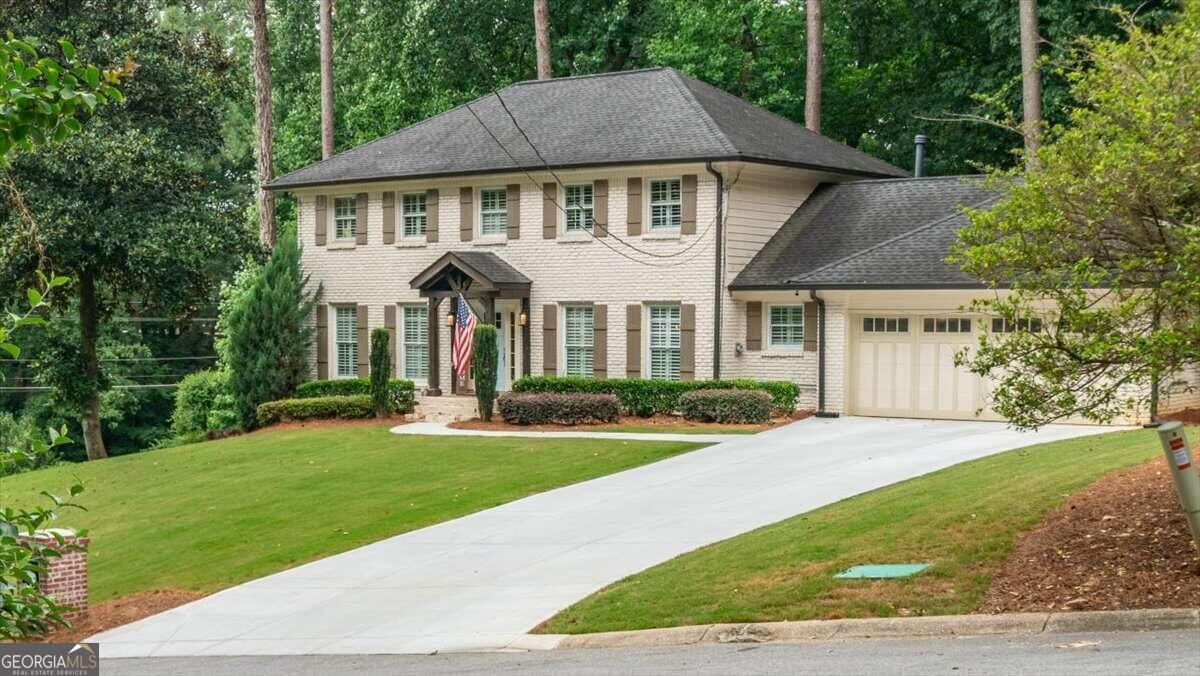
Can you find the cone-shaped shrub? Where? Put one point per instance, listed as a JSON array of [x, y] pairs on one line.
[[483, 369]]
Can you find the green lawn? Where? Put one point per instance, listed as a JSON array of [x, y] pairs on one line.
[[209, 515], [962, 519]]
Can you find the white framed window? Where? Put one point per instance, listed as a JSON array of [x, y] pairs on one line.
[[663, 342], [666, 204], [785, 326], [946, 325], [1030, 324], [493, 211], [345, 217], [414, 215], [578, 343], [346, 341], [580, 207], [885, 325], [415, 343]]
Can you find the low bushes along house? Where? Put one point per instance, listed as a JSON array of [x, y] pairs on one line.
[[326, 399]]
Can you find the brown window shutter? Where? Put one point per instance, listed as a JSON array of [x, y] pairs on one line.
[[389, 217], [364, 346], [320, 219], [633, 206], [549, 210], [431, 215], [360, 218], [810, 327], [550, 340], [688, 225], [389, 322], [754, 325], [633, 341], [600, 341], [322, 342], [513, 206], [687, 342], [600, 208], [466, 214]]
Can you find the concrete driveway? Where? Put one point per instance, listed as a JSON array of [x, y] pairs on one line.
[[482, 581]]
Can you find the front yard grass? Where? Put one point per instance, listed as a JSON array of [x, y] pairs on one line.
[[963, 519], [210, 515]]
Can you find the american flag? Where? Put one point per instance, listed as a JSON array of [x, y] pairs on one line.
[[464, 338]]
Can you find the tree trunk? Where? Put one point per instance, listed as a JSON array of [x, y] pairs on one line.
[[1031, 83], [326, 22], [541, 25], [88, 326], [815, 66], [262, 122]]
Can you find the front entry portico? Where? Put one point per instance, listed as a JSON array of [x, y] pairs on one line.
[[496, 293]]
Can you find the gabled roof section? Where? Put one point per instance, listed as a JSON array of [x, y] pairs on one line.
[[485, 270], [892, 233], [647, 116]]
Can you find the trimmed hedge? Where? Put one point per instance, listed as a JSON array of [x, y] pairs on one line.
[[400, 392], [647, 397], [354, 406], [726, 406], [560, 408]]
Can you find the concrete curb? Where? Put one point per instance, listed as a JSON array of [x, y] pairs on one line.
[[899, 627]]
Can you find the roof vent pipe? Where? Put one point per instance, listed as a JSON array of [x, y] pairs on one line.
[[919, 162]]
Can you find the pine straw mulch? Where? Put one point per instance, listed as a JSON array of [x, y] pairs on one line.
[[112, 614], [665, 423], [1119, 543]]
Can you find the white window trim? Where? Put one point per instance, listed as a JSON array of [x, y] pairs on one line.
[[646, 333], [332, 225], [562, 332], [492, 236], [402, 343], [587, 232], [647, 207], [333, 336], [766, 328], [401, 224]]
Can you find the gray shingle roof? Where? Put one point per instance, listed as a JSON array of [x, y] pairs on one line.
[[870, 234], [487, 266], [642, 116]]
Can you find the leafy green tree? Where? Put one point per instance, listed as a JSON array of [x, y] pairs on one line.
[[483, 369], [270, 333], [381, 371], [140, 207], [1101, 245]]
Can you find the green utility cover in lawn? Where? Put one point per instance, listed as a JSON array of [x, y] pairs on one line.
[[882, 570]]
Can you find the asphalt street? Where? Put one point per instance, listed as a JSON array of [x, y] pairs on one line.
[[1165, 653]]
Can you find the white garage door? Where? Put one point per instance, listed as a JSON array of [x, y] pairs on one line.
[[903, 366]]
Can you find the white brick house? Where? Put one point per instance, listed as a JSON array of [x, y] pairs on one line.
[[646, 225]]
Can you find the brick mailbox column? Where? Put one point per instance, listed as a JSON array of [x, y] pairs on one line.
[[66, 576]]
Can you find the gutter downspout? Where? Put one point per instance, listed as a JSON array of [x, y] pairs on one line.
[[718, 296], [821, 412]]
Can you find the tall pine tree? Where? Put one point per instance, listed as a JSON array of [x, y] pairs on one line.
[[269, 331]]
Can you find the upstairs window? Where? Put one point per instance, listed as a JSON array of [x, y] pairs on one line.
[[493, 211], [414, 215], [666, 204], [346, 337], [664, 342], [578, 344], [579, 207], [786, 324], [345, 217]]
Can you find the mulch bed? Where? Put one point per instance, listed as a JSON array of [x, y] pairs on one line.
[[1188, 416], [666, 422], [111, 614], [1120, 543]]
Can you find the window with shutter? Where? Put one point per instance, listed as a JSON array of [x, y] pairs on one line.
[[664, 342], [578, 340], [580, 208], [493, 211], [346, 339], [345, 217], [415, 337], [786, 328], [414, 216], [666, 204]]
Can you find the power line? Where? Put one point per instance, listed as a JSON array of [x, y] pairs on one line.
[[126, 359], [114, 387]]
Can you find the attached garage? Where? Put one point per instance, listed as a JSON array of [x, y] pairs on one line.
[[902, 365]]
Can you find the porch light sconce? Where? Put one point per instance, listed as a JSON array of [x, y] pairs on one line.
[[449, 319], [522, 319]]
